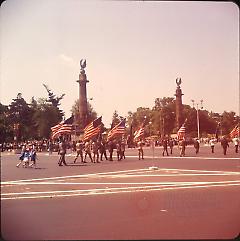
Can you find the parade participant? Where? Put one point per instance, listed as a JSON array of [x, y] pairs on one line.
[[196, 145], [26, 157], [182, 147], [165, 144], [50, 147], [224, 144], [110, 149], [79, 149], [171, 144], [95, 147], [140, 149], [102, 149], [87, 149], [62, 152], [33, 157], [236, 144], [119, 151], [123, 149], [21, 156], [212, 144]]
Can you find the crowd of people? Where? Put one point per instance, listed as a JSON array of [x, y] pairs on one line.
[[98, 150]]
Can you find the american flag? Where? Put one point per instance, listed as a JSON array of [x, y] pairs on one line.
[[235, 131], [64, 127], [138, 133], [92, 129], [117, 130], [181, 132]]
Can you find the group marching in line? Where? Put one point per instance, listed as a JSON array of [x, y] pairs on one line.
[[96, 150]]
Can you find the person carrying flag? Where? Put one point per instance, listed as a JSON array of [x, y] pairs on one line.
[[181, 139], [140, 145], [225, 145], [62, 152], [79, 149]]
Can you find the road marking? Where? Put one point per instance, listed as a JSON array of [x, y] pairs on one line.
[[80, 175], [114, 190], [108, 174]]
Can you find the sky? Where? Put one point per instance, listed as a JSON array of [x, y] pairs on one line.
[[134, 50]]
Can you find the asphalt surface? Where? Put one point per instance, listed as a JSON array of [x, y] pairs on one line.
[[160, 197]]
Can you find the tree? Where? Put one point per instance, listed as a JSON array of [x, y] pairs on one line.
[[6, 130], [52, 98], [44, 117], [92, 114], [20, 117]]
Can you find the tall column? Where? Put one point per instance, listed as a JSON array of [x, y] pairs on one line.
[[83, 111], [179, 105]]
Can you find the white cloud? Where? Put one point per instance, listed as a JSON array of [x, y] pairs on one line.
[[67, 60]]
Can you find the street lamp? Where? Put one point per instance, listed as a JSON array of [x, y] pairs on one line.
[[198, 124]]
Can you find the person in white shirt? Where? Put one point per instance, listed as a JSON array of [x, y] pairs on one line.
[[236, 144], [212, 144]]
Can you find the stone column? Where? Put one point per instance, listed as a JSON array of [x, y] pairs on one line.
[[179, 105], [83, 111]]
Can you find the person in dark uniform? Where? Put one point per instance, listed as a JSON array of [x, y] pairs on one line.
[[171, 144], [110, 149], [225, 145], [165, 144], [62, 152], [102, 149], [123, 149], [140, 145], [196, 146]]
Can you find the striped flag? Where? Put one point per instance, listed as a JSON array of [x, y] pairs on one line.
[[92, 129], [117, 130], [64, 127], [181, 132], [138, 133], [235, 131]]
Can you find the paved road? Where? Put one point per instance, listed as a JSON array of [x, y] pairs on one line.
[[192, 197]]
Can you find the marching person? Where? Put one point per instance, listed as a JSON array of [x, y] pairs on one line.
[[102, 149], [182, 147], [33, 157], [196, 145], [140, 149], [110, 149], [95, 148], [119, 151], [87, 149], [123, 149], [171, 144], [212, 144], [79, 150], [21, 156], [62, 152], [236, 144], [165, 144], [225, 145]]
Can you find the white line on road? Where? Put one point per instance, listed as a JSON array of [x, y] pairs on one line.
[[115, 190]]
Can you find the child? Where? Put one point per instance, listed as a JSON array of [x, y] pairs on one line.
[[33, 157], [21, 156]]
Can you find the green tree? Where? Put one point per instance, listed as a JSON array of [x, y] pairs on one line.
[[20, 117], [44, 117], [6, 130], [92, 114], [54, 100]]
